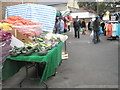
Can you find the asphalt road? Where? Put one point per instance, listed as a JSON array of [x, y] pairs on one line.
[[88, 66]]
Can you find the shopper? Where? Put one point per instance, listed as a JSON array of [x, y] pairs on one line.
[[83, 27], [69, 20], [77, 25], [89, 25], [103, 27], [96, 25], [56, 25], [60, 25], [65, 24]]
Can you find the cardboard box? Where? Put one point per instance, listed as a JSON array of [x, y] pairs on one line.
[[21, 37], [64, 55]]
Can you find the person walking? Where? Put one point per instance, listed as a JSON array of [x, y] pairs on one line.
[[56, 27], [103, 27], [60, 25], [96, 28], [89, 25], [77, 25], [65, 24], [83, 27], [69, 20]]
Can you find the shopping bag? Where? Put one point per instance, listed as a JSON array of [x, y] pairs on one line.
[[100, 31], [84, 31], [80, 29], [92, 33]]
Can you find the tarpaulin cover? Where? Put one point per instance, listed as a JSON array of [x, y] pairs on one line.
[[34, 12]]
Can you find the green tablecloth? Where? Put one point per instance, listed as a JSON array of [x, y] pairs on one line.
[[52, 59]]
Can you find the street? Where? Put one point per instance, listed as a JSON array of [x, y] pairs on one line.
[[88, 66]]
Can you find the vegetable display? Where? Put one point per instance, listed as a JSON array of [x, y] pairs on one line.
[[42, 45], [5, 26]]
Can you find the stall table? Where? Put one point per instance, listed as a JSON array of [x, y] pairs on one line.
[[13, 64]]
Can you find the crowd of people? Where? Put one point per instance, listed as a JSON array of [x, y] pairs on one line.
[[62, 25], [96, 26], [79, 26]]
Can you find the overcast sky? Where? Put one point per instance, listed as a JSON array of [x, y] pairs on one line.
[[64, 1], [52, 1]]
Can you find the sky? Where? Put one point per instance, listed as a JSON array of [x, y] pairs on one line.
[[52, 1]]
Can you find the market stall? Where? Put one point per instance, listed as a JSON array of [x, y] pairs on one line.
[[52, 60], [112, 26], [112, 30], [32, 39]]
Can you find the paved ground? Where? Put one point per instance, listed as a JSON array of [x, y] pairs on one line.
[[89, 66]]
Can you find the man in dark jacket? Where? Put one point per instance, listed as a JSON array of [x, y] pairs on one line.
[[77, 25], [96, 25]]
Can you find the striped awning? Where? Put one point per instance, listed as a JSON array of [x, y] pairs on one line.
[[34, 12]]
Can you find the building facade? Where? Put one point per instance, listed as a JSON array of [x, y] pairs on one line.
[[5, 3]]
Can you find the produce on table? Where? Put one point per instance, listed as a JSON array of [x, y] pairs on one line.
[[23, 50], [56, 36], [18, 21], [42, 53], [5, 26], [29, 52], [39, 39], [31, 44], [26, 27], [4, 35], [41, 46], [15, 51], [29, 49]]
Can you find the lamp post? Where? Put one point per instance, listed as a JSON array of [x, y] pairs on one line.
[[98, 4]]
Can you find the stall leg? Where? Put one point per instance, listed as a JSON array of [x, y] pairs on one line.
[[38, 74], [65, 46], [39, 69], [46, 86], [26, 67]]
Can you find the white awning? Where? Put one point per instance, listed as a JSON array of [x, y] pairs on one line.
[[83, 15]]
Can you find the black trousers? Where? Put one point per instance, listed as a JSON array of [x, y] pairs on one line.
[[77, 32], [68, 27], [96, 38]]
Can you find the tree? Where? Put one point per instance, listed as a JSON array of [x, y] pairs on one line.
[[100, 7]]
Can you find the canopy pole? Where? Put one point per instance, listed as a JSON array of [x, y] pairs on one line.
[[22, 1]]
